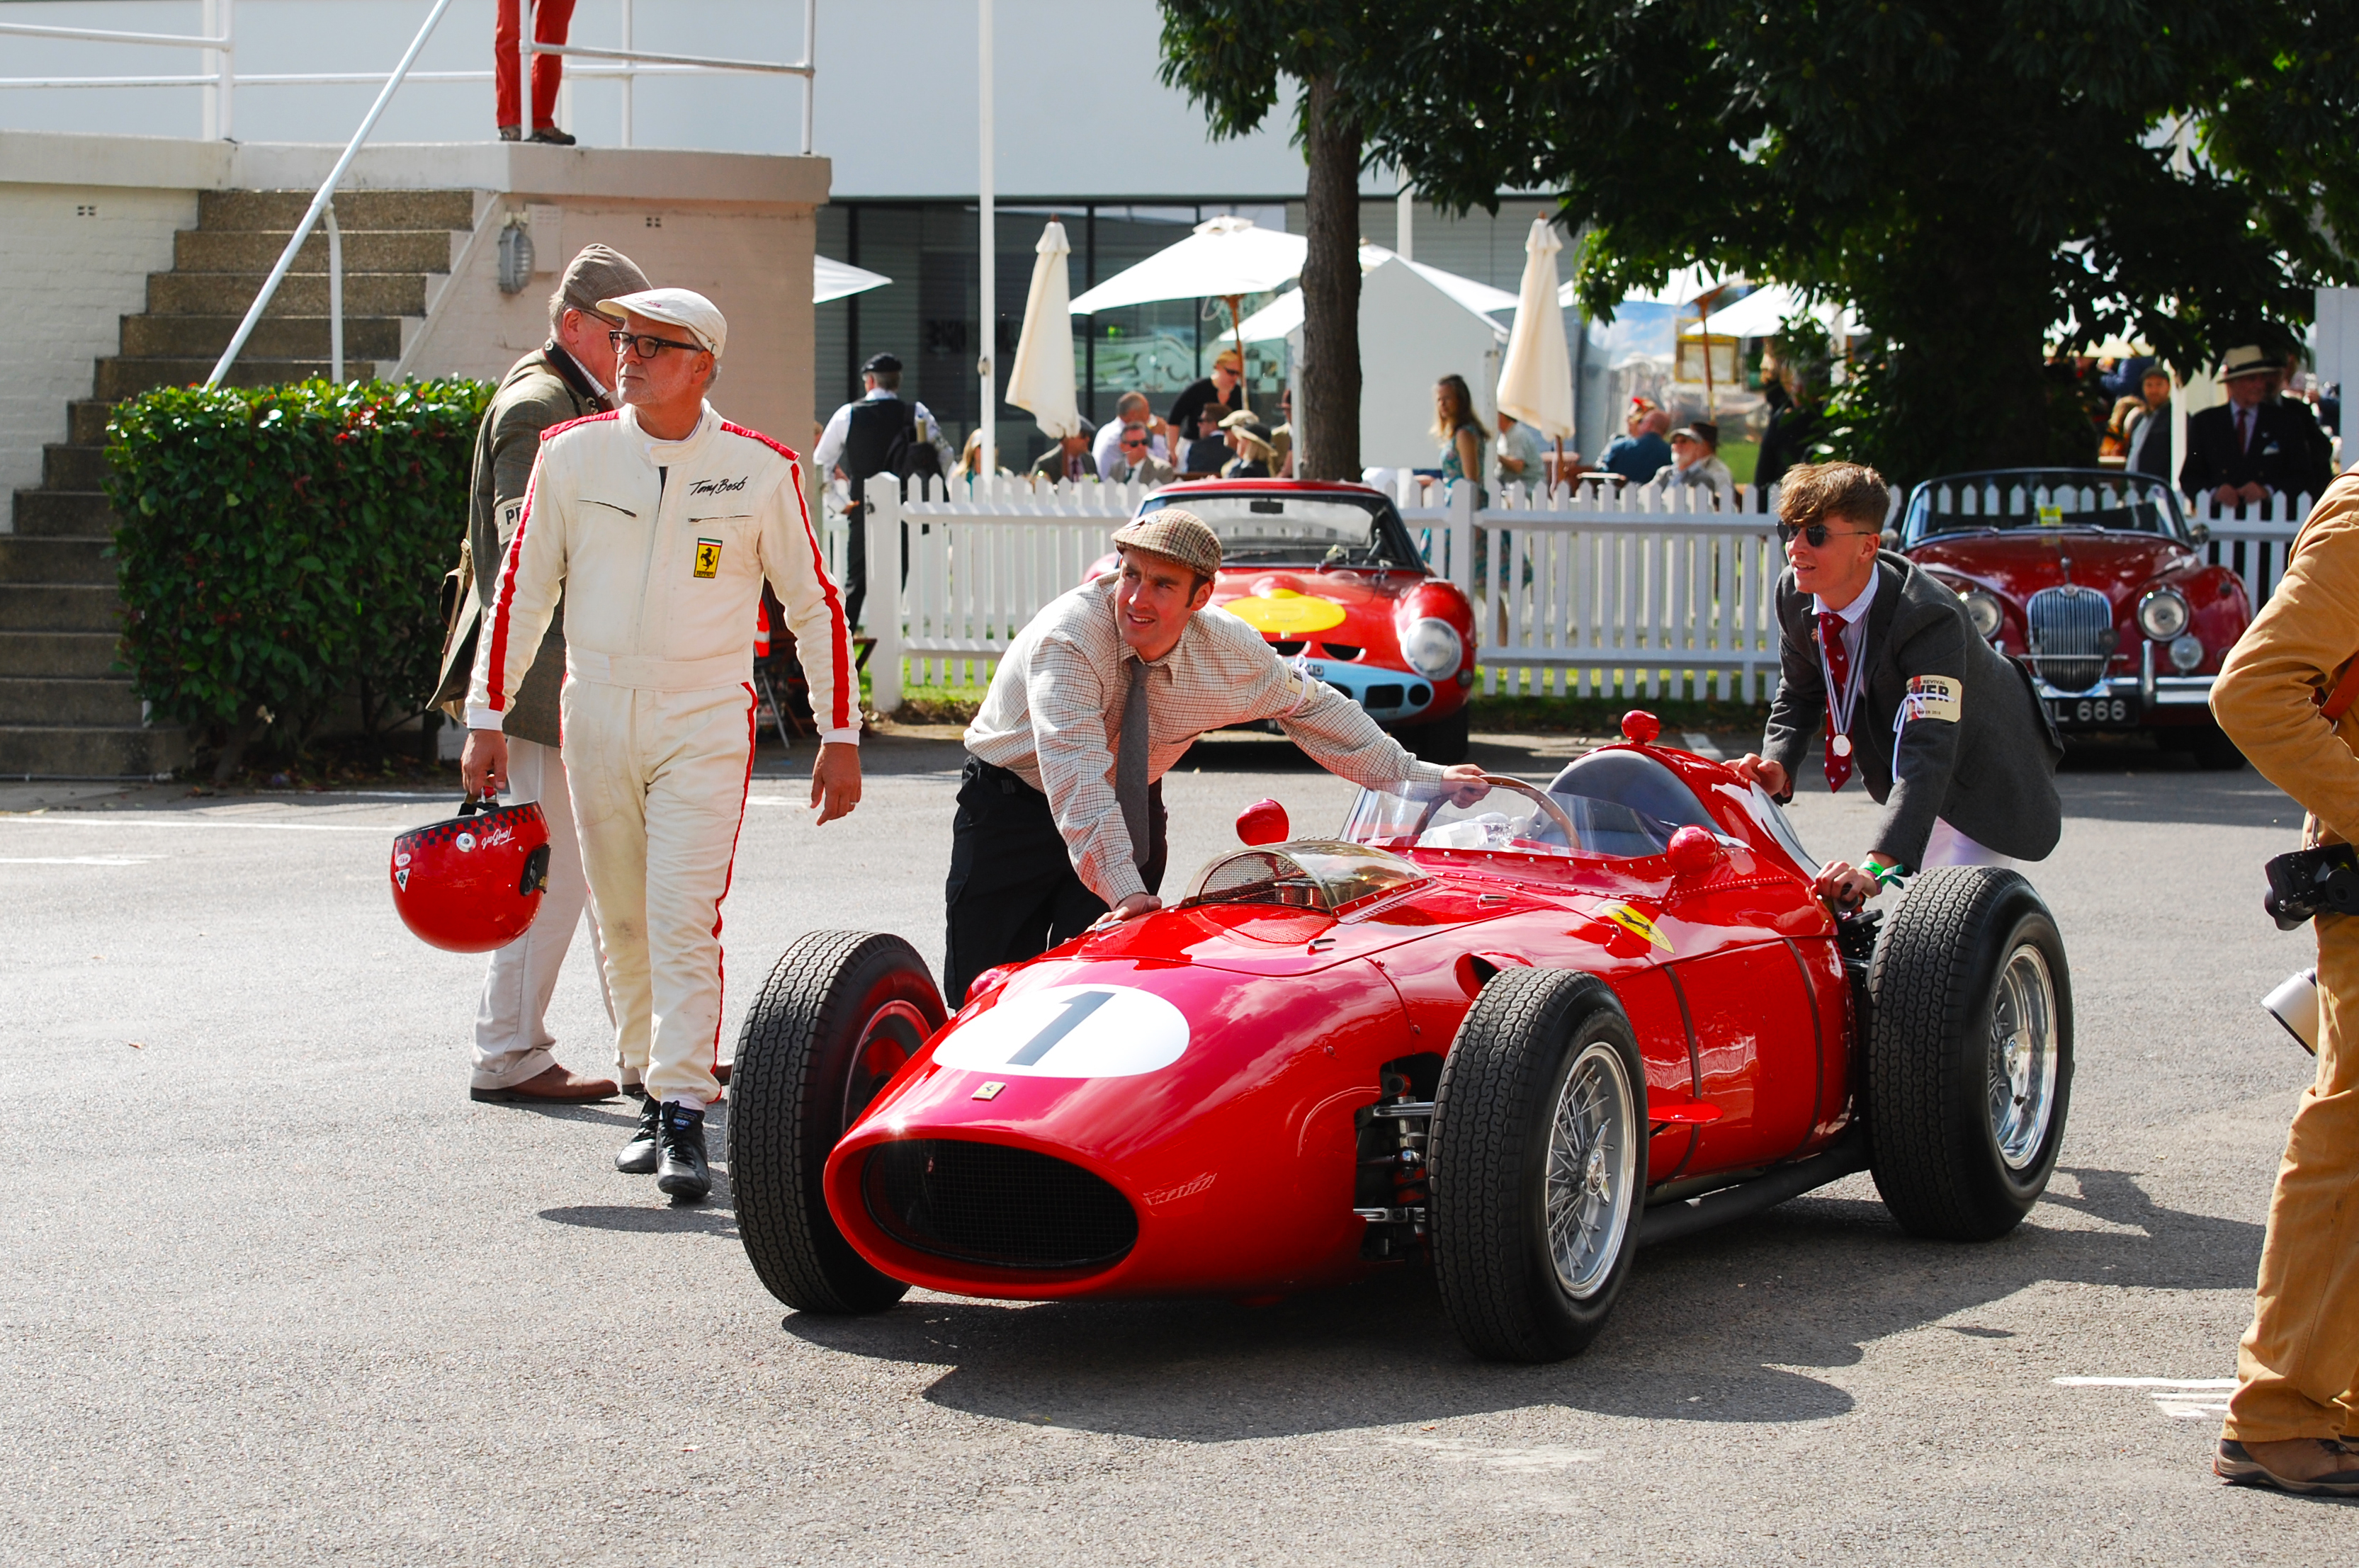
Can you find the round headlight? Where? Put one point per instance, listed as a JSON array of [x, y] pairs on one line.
[[2186, 652], [1432, 648], [2162, 614], [1983, 610]]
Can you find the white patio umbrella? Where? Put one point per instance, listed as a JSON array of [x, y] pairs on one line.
[[1040, 382], [836, 280], [1282, 315], [1535, 377], [1758, 315], [1226, 258]]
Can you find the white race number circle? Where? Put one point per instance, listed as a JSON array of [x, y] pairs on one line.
[[1071, 1032]]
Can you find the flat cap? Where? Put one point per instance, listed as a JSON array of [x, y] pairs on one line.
[[887, 362], [599, 274], [1176, 535], [682, 307]]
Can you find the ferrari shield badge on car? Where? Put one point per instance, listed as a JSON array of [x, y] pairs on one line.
[[1071, 1032], [1637, 923]]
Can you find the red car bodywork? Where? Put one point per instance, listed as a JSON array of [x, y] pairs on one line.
[[1361, 654], [2140, 685], [1238, 1158]]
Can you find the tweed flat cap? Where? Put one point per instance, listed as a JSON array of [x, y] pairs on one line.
[[599, 274], [1176, 535]]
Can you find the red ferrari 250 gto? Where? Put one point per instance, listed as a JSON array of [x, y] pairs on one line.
[[1508, 1034]]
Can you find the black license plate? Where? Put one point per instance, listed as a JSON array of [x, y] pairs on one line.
[[2088, 712]]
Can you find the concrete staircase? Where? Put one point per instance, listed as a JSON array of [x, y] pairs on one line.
[[65, 711]]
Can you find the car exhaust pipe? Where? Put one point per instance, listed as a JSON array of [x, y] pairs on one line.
[[1668, 1222]]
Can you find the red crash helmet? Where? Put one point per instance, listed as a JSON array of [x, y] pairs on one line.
[[473, 882]]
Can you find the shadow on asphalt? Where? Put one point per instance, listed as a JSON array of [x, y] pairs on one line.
[[710, 1217], [1710, 1329]]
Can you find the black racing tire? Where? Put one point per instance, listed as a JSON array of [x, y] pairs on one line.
[[1494, 1146], [839, 1014], [1444, 741], [1969, 1053]]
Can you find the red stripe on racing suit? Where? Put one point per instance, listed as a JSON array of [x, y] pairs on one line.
[[847, 682], [496, 683]]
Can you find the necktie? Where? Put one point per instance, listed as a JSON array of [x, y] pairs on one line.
[[1831, 630], [1130, 764], [2244, 428]]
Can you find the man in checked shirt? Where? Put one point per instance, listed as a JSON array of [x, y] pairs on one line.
[[1060, 812]]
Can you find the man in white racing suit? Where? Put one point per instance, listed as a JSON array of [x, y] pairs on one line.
[[658, 523]]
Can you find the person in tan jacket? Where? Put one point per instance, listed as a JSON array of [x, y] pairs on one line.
[[2294, 1413], [566, 378]]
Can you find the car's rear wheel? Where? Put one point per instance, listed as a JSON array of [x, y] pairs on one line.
[[1969, 1054], [838, 1017], [1538, 1164], [1444, 741]]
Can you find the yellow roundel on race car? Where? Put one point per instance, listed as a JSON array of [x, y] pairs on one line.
[[1283, 612]]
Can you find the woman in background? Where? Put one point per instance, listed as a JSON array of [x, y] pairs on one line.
[[1460, 432]]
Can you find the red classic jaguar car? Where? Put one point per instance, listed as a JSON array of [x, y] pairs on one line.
[[1508, 1033], [1329, 575], [2095, 579]]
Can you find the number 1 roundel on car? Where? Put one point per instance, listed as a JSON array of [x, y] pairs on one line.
[[1071, 1032]]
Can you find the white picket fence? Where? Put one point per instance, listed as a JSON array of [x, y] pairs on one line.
[[1584, 592]]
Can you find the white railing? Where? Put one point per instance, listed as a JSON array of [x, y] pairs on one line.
[[1579, 592], [219, 76]]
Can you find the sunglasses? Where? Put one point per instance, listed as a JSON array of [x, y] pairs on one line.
[[1134, 440], [1818, 533], [646, 345]]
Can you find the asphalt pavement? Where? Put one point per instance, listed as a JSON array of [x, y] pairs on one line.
[[280, 1292]]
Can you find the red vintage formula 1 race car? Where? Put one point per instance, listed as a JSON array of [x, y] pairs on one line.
[[1509, 1038]]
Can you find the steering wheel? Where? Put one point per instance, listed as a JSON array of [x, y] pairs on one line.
[[1547, 803]]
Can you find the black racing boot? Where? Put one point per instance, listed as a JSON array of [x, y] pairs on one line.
[[682, 1173], [637, 1157]]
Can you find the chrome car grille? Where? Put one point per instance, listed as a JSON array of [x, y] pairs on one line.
[[2071, 635]]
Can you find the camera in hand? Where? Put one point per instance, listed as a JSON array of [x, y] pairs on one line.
[[2307, 882]]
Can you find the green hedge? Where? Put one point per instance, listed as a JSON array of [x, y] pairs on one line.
[[282, 548]]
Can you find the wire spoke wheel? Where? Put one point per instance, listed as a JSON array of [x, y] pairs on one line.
[[2023, 1057], [1591, 1158]]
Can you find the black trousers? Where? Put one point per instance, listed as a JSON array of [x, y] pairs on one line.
[[1013, 893]]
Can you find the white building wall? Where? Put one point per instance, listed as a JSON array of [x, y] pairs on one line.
[[75, 258]]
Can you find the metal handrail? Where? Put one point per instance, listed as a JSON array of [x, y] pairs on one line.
[[326, 194], [629, 63]]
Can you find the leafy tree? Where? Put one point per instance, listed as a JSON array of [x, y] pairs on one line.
[[1229, 56], [1975, 178]]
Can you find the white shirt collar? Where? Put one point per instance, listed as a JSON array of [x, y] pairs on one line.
[[587, 373], [1857, 611], [663, 454]]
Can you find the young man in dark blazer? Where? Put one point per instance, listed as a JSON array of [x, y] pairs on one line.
[[2256, 444], [1943, 729]]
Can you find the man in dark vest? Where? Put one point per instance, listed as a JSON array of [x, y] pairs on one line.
[[564, 379], [874, 437]]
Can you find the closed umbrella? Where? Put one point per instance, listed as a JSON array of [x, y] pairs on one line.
[[1536, 378], [1041, 380]]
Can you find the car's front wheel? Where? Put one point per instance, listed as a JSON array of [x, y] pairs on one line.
[[1969, 1053], [840, 1014], [1538, 1164]]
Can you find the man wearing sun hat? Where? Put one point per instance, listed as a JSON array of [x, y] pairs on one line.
[[660, 524], [2253, 445], [1060, 811]]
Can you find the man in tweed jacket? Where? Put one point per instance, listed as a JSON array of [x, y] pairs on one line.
[[562, 380]]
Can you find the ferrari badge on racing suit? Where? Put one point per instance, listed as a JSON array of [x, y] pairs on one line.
[[473, 882]]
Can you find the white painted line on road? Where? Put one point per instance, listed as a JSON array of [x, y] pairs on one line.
[[1700, 744], [2180, 1399], [76, 859], [2146, 1382]]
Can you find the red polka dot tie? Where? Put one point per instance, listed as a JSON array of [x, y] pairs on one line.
[[1831, 639]]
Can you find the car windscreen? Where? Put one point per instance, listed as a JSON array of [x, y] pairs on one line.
[[1508, 818], [2032, 499], [1300, 530]]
